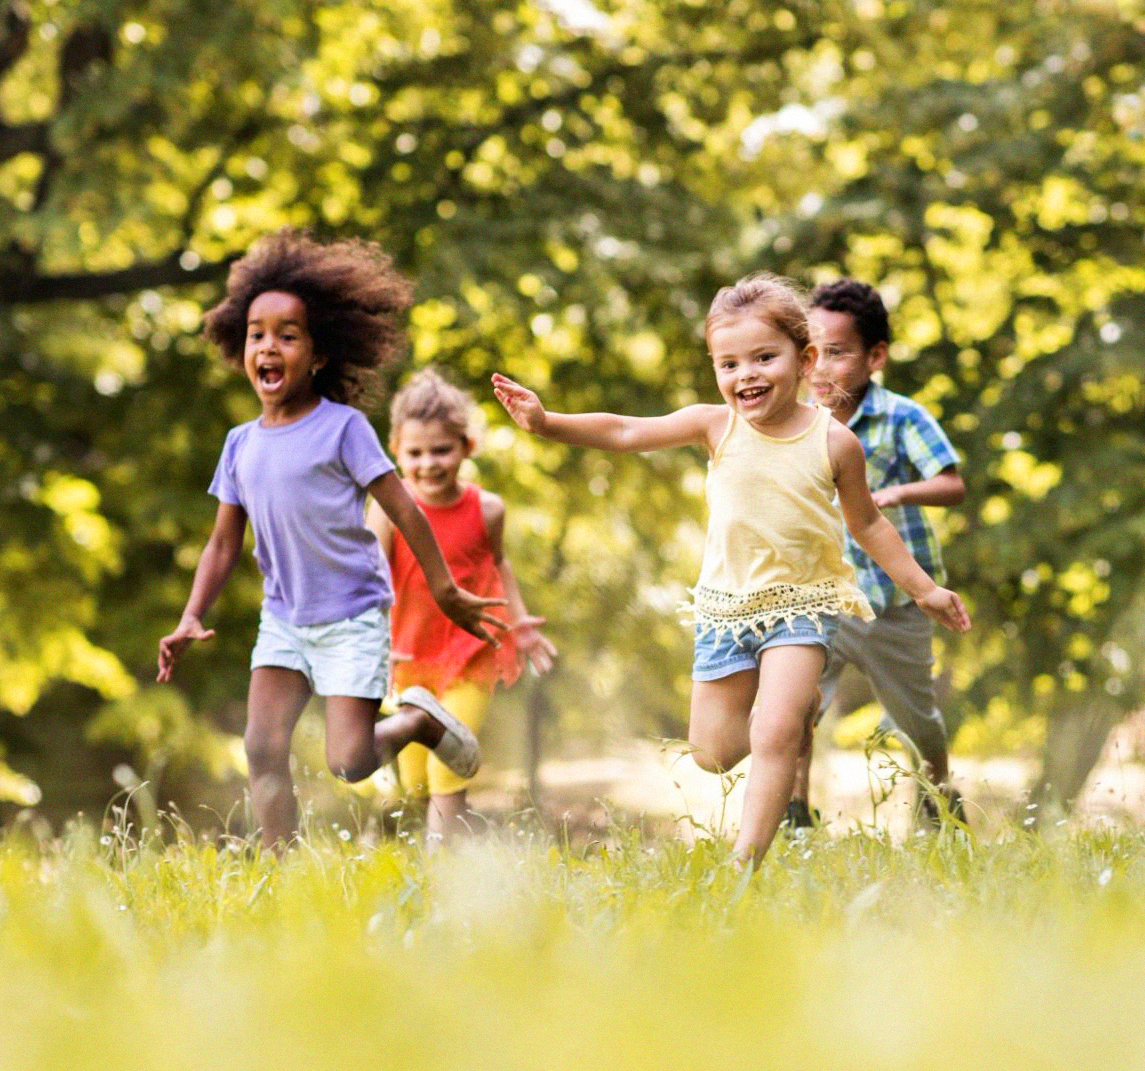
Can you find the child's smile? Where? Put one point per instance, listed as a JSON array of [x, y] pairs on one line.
[[430, 454], [758, 370]]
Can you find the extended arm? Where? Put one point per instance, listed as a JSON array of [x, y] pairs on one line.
[[878, 537], [215, 564], [944, 489], [531, 643], [466, 610], [691, 426], [381, 526]]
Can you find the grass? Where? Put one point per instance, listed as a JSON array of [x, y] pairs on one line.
[[517, 951]]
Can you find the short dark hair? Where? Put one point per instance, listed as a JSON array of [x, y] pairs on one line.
[[859, 300], [355, 308]]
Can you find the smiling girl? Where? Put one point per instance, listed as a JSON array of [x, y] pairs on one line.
[[431, 437], [774, 580], [311, 324]]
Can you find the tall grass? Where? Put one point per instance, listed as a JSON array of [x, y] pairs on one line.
[[516, 951]]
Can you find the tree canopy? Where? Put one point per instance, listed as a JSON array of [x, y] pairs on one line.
[[567, 185]]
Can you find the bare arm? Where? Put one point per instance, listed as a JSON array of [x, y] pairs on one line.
[[944, 489], [464, 609], [531, 643], [215, 564], [878, 537], [382, 527], [693, 425]]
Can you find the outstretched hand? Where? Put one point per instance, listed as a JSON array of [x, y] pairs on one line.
[[945, 607], [534, 646], [522, 404], [471, 612], [171, 647]]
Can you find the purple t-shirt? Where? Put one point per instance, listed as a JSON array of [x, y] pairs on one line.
[[303, 486]]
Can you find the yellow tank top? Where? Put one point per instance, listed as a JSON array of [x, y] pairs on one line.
[[774, 548]]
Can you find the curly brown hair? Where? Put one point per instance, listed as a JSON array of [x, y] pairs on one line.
[[355, 304]]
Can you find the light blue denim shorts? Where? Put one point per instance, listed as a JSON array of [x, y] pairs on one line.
[[717, 657], [349, 658]]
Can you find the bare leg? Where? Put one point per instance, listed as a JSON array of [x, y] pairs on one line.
[[718, 723], [275, 701], [357, 743], [445, 818], [788, 681]]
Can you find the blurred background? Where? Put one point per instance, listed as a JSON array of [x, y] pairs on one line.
[[568, 183]]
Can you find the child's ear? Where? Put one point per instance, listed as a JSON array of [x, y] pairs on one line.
[[877, 356], [808, 358], [318, 362]]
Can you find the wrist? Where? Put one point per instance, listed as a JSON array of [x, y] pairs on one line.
[[923, 592], [443, 590]]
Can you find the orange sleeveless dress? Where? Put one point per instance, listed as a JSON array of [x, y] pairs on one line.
[[441, 652]]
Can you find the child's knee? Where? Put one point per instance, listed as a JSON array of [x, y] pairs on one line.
[[712, 755], [351, 763], [266, 751], [705, 760], [775, 735]]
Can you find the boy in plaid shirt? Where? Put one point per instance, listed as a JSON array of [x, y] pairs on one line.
[[910, 464]]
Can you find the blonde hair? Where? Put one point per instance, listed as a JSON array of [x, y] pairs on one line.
[[771, 298], [428, 397]]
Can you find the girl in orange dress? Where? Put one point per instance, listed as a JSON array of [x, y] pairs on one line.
[[430, 437]]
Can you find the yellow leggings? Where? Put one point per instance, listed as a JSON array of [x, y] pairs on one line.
[[422, 772]]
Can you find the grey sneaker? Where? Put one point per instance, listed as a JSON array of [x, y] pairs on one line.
[[458, 747]]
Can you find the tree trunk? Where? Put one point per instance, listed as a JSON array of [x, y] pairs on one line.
[[537, 711], [1074, 741]]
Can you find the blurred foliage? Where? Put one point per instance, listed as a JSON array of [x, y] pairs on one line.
[[568, 185]]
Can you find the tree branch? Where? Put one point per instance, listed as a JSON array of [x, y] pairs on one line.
[[17, 29], [22, 289]]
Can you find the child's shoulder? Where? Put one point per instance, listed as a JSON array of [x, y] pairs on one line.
[[492, 505], [902, 407]]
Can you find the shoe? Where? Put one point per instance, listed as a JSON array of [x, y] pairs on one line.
[[955, 807], [458, 747], [800, 816]]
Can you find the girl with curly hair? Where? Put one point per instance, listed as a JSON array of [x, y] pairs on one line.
[[312, 324]]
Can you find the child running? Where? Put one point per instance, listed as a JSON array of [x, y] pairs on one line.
[[774, 580], [430, 437], [910, 464], [311, 325]]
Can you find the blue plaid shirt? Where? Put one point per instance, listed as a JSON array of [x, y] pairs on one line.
[[903, 443]]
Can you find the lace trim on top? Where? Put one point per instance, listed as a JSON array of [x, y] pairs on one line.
[[759, 611]]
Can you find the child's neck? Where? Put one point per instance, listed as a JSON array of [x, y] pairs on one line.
[[847, 409], [277, 416], [447, 496], [783, 426]]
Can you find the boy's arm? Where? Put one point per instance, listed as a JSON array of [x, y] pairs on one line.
[[878, 537], [944, 489], [465, 609], [693, 425], [531, 643], [215, 564]]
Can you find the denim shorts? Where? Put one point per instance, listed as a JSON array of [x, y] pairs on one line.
[[721, 656], [345, 658]]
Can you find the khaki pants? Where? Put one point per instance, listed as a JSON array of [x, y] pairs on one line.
[[895, 652]]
